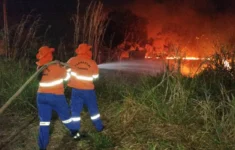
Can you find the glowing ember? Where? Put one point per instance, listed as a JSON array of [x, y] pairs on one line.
[[184, 58], [226, 65], [171, 58], [191, 58]]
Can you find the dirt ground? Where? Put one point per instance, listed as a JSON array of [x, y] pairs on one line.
[[20, 133]]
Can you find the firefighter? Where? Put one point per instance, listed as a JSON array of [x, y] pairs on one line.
[[83, 71], [50, 95]]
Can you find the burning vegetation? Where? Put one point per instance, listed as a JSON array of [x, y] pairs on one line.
[[157, 111], [172, 30]]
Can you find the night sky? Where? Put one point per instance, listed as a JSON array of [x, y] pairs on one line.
[[57, 13], [50, 9], [53, 7], [16, 7], [65, 7]]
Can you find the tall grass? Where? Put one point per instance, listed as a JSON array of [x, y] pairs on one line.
[[6, 39], [13, 75], [167, 111], [23, 40], [91, 26]]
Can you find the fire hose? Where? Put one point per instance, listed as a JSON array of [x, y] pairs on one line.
[[10, 100]]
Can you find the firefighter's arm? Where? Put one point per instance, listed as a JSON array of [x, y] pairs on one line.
[[95, 71], [67, 71]]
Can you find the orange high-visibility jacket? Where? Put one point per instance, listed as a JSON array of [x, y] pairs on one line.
[[83, 71], [52, 79]]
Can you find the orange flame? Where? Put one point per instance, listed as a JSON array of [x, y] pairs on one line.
[[183, 58]]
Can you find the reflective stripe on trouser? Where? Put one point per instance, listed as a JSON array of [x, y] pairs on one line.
[[88, 98], [46, 103]]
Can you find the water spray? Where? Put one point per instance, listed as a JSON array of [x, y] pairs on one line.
[[135, 66]]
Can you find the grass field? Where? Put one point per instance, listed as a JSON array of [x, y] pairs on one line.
[[166, 111]]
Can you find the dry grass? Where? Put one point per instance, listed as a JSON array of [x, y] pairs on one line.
[[162, 112], [90, 27], [23, 39]]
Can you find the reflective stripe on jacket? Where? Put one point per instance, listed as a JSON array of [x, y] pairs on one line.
[[84, 71], [52, 79]]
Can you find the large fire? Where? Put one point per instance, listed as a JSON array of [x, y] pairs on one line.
[[192, 26], [189, 65]]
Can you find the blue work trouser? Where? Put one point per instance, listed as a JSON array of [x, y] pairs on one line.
[[87, 97], [46, 103]]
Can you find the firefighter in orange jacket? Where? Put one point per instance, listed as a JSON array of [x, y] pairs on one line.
[[50, 96], [83, 71]]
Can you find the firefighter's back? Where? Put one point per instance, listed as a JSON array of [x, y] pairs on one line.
[[83, 72]]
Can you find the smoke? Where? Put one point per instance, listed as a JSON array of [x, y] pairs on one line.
[[197, 27]]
